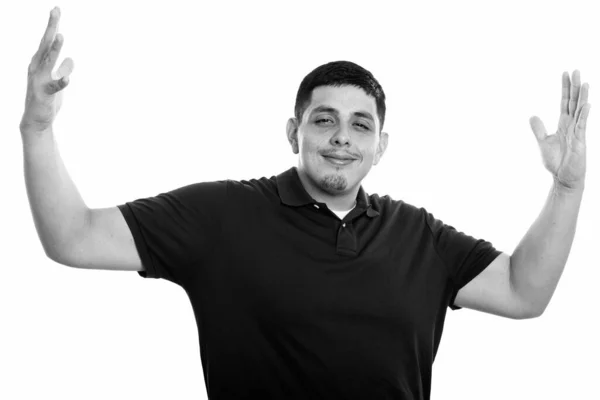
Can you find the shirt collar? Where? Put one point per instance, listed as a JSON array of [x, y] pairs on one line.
[[292, 192]]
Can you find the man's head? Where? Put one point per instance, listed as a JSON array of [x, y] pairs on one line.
[[339, 73], [337, 129]]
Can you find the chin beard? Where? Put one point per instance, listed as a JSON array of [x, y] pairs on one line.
[[333, 184]]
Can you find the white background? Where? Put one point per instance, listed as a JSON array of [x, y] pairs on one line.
[[165, 94]]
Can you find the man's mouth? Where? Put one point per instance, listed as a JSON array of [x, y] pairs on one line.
[[338, 160]]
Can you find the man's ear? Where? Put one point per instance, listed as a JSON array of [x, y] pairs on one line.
[[383, 142], [292, 134]]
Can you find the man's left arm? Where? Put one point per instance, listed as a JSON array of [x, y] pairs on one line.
[[521, 285]]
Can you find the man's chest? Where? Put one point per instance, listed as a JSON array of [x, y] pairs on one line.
[[293, 275]]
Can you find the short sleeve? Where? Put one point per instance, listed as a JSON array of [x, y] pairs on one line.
[[174, 231], [464, 256]]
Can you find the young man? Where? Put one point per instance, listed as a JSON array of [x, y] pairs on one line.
[[304, 286]]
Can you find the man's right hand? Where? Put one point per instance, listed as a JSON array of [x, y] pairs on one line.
[[44, 87]]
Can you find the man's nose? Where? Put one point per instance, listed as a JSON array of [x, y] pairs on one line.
[[341, 137]]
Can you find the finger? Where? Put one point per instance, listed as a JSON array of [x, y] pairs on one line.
[[582, 122], [538, 128], [583, 98], [57, 85], [52, 27], [52, 55], [48, 37], [566, 88], [65, 69], [574, 96]]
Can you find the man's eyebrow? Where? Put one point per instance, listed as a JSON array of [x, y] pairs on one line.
[[329, 109], [364, 114]]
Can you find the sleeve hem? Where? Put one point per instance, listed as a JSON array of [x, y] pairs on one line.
[[142, 248], [485, 262]]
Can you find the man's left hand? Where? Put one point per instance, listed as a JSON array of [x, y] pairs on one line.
[[563, 153]]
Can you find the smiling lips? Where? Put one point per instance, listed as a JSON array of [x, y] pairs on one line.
[[339, 159]]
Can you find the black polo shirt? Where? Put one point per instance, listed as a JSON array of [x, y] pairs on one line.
[[293, 303]]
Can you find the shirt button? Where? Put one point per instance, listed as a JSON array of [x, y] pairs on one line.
[[344, 225], [316, 205]]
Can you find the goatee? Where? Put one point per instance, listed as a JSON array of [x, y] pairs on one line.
[[333, 184]]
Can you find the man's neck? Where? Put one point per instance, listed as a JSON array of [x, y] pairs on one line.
[[339, 202]]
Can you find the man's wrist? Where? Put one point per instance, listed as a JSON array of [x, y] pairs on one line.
[[34, 138], [570, 190], [29, 129]]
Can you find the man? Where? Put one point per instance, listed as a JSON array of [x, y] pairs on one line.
[[303, 286]]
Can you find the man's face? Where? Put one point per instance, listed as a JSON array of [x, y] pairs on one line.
[[338, 138]]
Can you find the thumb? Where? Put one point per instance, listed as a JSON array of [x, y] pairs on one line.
[[538, 128], [57, 85], [65, 69]]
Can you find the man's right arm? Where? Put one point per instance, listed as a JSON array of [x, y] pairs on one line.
[[70, 232]]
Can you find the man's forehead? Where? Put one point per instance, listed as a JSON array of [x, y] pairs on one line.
[[346, 96]]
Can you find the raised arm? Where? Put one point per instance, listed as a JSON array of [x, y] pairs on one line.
[[521, 285], [69, 231]]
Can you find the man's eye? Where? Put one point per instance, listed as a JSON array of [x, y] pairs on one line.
[[323, 120], [362, 126]]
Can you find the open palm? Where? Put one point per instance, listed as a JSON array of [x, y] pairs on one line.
[[44, 84], [563, 153]]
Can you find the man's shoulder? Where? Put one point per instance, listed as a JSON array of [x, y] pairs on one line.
[[396, 208], [389, 203], [253, 188]]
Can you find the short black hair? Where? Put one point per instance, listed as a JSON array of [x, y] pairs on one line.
[[339, 73]]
